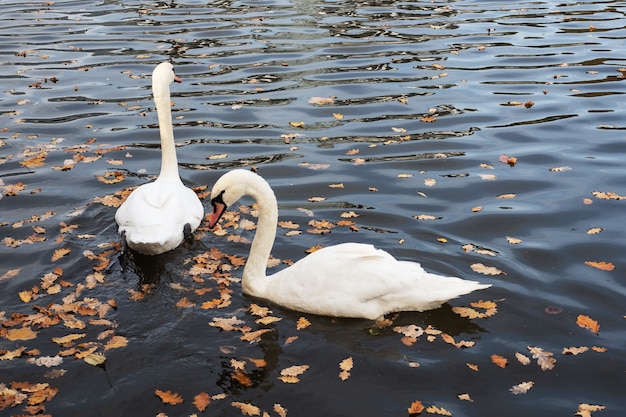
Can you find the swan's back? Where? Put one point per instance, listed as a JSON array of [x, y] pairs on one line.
[[154, 216], [358, 280]]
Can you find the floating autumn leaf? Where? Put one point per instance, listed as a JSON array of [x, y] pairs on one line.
[[608, 195], [95, 359], [288, 225], [461, 344], [594, 230], [604, 266], [411, 330], [202, 401], [345, 366], [472, 366], [585, 410], [521, 358], [59, 253], [116, 342], [507, 195], [302, 323], [501, 361], [280, 410], [168, 397], [544, 358], [416, 408], [574, 350], [521, 388], [433, 409], [587, 322], [12, 354], [11, 190], [320, 101], [247, 409], [486, 270], [24, 333], [296, 124], [35, 161], [465, 397], [338, 116], [255, 336], [290, 375], [11, 273], [513, 240]]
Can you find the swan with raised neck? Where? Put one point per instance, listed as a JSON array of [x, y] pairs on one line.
[[345, 280], [157, 217]]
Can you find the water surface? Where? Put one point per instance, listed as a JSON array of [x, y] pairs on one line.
[[421, 101]]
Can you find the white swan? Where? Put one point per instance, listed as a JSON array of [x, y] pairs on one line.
[[156, 217], [346, 280]]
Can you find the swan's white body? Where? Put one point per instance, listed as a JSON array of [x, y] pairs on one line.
[[346, 280], [154, 216]]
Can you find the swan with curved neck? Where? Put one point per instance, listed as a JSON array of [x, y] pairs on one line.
[[158, 216], [345, 280]]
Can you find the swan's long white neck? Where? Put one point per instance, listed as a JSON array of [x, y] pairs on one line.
[[254, 281], [169, 163]]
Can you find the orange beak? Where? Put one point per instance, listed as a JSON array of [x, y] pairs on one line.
[[218, 210]]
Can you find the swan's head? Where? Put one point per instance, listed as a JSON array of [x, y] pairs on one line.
[[163, 75], [229, 188], [233, 185]]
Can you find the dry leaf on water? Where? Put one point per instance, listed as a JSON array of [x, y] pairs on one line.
[[59, 253], [585, 410], [247, 409], [290, 375], [202, 401], [544, 358], [345, 366], [169, 397], [521, 388], [416, 408], [501, 361], [24, 333], [587, 322], [486, 270], [302, 323], [433, 409], [604, 266]]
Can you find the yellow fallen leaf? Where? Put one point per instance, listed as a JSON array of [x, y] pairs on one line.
[[116, 342], [302, 323], [95, 359], [24, 333], [585, 410], [68, 338]]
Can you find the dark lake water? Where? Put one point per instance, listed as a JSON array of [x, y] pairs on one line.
[[410, 105]]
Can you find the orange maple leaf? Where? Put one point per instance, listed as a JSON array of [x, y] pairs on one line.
[[416, 407]]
